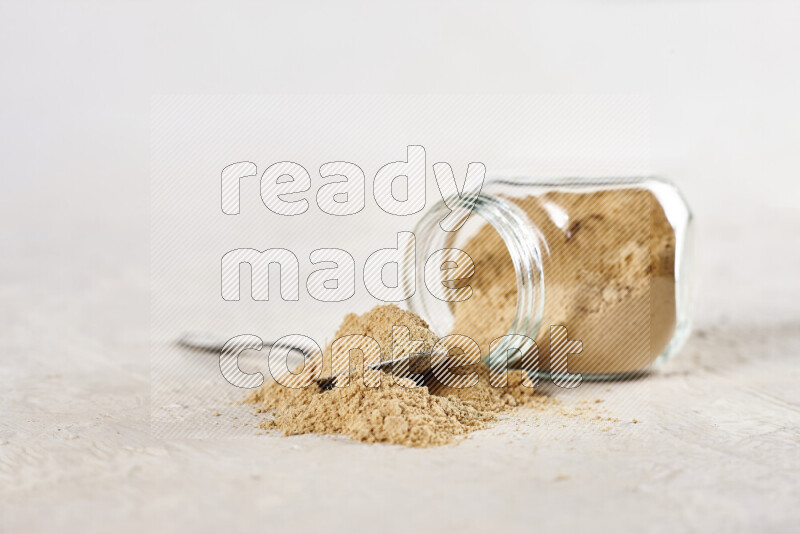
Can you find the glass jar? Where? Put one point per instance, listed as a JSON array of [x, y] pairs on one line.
[[608, 259]]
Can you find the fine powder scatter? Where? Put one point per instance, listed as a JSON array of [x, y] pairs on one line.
[[609, 273], [423, 416]]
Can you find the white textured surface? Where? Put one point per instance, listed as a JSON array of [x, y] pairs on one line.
[[716, 447], [718, 443]]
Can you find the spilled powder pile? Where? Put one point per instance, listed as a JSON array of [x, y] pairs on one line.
[[420, 417], [608, 262]]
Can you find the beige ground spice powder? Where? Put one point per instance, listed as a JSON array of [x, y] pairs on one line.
[[421, 417], [610, 280], [609, 277]]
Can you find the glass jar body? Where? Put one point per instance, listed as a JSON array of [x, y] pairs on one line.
[[606, 259]]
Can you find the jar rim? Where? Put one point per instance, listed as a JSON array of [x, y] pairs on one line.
[[525, 247]]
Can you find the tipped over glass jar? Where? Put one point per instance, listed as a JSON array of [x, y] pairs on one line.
[[608, 259]]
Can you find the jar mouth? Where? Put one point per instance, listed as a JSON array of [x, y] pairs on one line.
[[526, 248]]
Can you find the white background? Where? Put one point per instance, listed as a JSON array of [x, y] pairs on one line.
[[721, 79]]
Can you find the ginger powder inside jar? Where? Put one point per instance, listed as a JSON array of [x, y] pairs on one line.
[[603, 259]]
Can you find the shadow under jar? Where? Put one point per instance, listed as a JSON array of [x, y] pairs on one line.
[[606, 258]]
